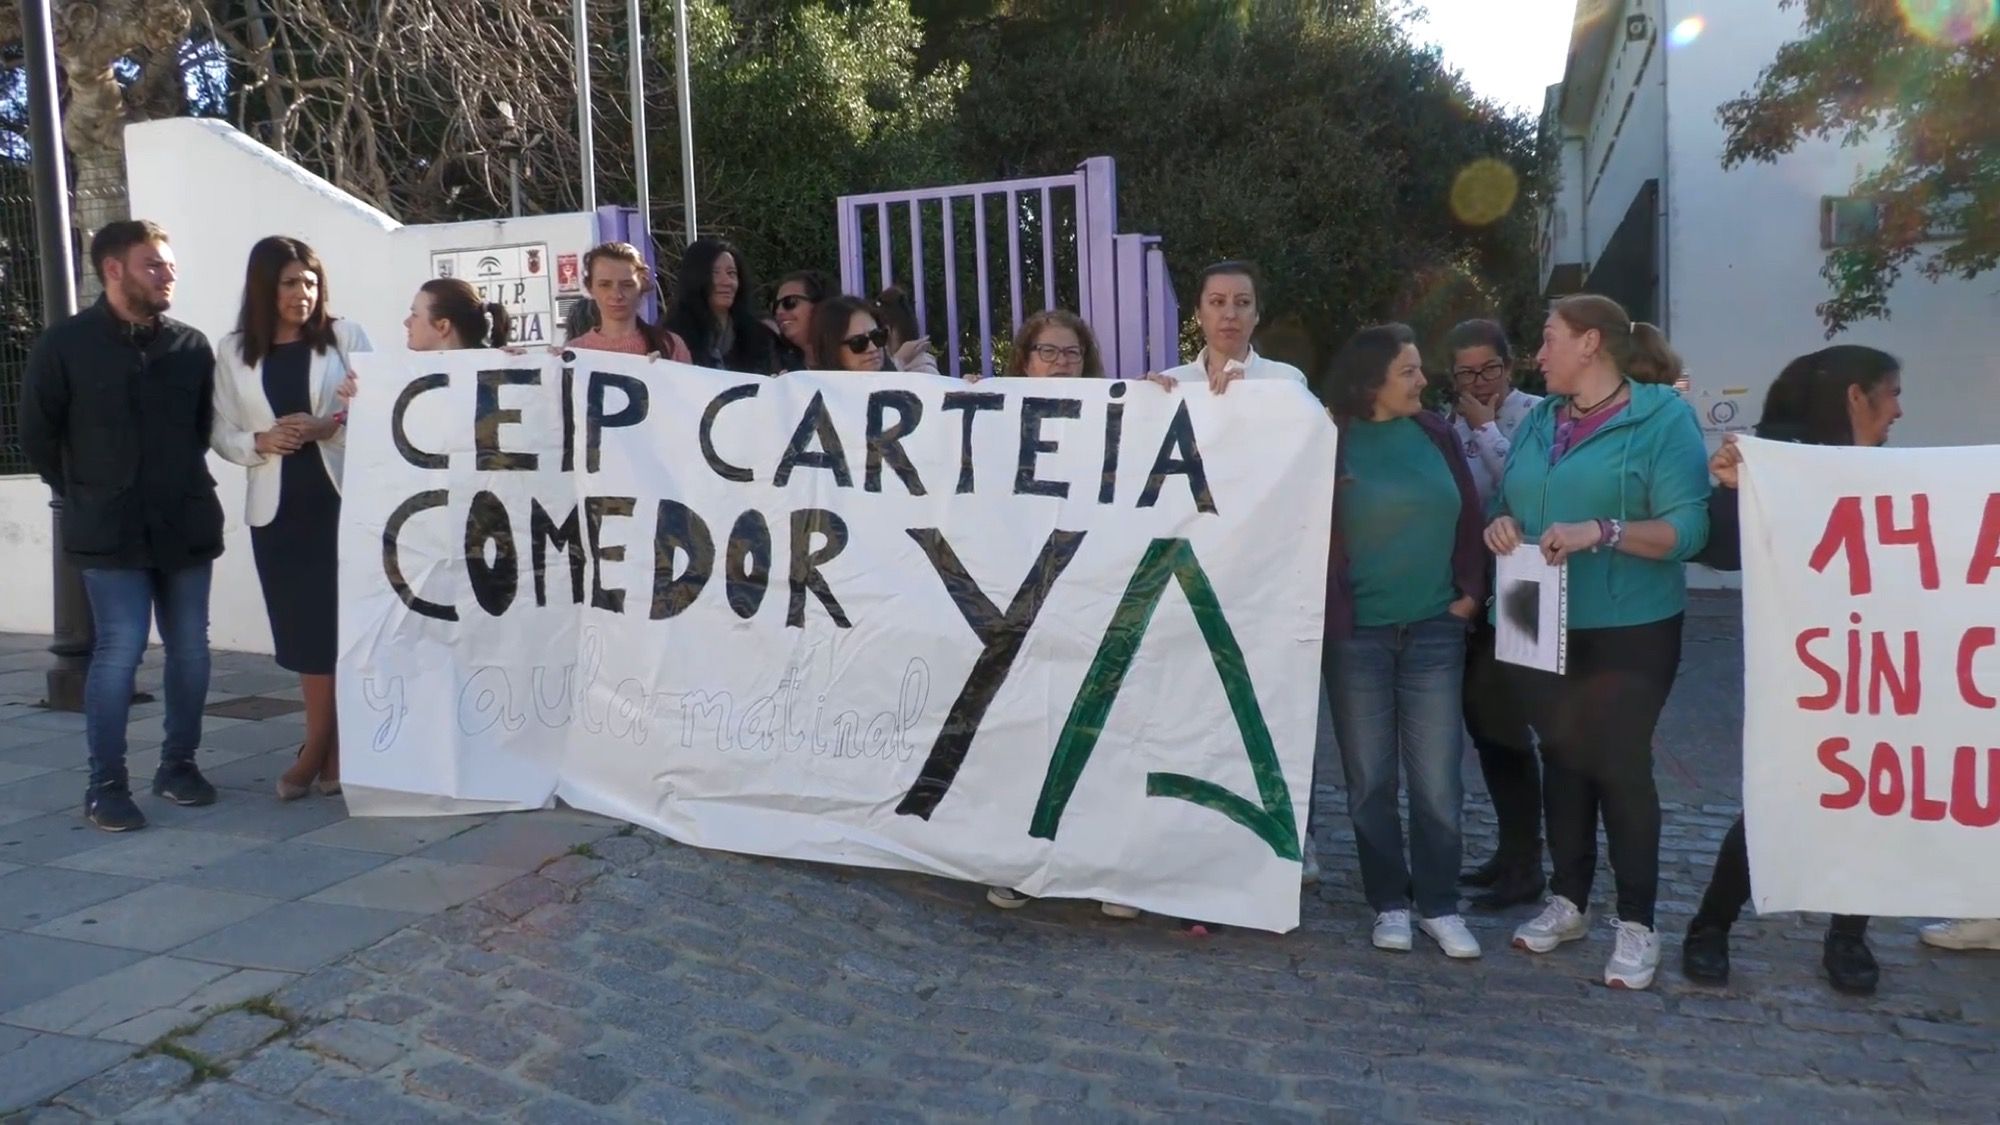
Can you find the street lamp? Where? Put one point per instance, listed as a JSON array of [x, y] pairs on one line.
[[73, 633]]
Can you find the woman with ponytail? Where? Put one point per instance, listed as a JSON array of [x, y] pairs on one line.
[[1608, 477], [447, 315]]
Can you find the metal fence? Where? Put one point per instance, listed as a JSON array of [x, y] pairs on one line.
[[97, 199], [20, 306]]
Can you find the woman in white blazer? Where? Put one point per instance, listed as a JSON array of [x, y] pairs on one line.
[[278, 413]]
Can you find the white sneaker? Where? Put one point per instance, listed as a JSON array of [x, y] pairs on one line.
[[1635, 953], [1392, 931], [1559, 921], [1308, 864], [1449, 931], [1007, 898], [1965, 933], [1114, 910]]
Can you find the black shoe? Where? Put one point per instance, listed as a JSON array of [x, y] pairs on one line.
[[182, 783], [1488, 873], [1516, 886], [109, 806], [1850, 964], [1705, 953]]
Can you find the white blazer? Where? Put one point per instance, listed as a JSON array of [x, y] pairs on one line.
[[242, 412]]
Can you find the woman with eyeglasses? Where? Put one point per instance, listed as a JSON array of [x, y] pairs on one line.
[[1608, 478], [1486, 410], [1055, 344], [798, 294]]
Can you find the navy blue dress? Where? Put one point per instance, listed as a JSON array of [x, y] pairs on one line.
[[298, 552]]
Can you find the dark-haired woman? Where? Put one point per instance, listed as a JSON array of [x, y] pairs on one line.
[[799, 293], [278, 412], [617, 278], [1228, 308], [1609, 478], [1486, 409], [848, 336], [712, 310], [909, 348], [447, 315], [1405, 574], [1843, 395]]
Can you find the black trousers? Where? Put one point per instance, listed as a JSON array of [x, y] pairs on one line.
[[1498, 723], [1596, 725], [1729, 889]]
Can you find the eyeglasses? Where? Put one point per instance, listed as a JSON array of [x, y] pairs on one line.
[[859, 345], [793, 300], [1488, 370], [1051, 353]]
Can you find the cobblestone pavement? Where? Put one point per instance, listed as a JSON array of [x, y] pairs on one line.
[[634, 979]]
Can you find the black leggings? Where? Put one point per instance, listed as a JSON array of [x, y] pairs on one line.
[[1596, 729], [1729, 889], [1498, 723]]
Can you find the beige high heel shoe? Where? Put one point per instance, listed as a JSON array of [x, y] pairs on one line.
[[292, 791]]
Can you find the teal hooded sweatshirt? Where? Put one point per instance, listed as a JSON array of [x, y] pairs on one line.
[[1647, 463]]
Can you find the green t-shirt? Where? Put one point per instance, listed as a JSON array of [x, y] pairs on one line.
[[1398, 511]]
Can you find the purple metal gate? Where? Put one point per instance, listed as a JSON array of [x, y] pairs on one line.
[[1120, 280]]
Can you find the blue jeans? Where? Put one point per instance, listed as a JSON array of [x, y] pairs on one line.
[[1396, 693], [123, 604]]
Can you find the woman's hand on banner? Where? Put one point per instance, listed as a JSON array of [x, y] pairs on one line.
[[1503, 535], [1165, 382], [1561, 540], [1726, 462]]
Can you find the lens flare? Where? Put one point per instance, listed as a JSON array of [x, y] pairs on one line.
[[1686, 31], [1484, 192], [1951, 22]]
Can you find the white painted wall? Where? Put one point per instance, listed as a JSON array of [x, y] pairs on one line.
[[217, 192], [1744, 255], [1626, 143]]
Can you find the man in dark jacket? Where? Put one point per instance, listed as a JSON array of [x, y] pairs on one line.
[[115, 415]]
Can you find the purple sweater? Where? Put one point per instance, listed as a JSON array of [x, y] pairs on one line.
[[1468, 550]]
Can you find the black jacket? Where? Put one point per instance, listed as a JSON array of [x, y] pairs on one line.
[[1724, 550], [116, 420]]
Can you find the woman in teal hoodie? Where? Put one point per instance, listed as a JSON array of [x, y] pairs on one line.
[[1608, 475]]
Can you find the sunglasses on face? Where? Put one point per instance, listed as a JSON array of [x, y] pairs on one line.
[[791, 301], [1050, 353], [1488, 370], [859, 345]]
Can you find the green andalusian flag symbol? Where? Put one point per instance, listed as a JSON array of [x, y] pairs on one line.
[[1271, 819]]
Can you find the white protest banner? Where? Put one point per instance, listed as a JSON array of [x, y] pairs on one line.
[[1871, 739], [1060, 635]]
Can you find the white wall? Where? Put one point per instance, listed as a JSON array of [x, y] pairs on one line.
[[1744, 254], [1626, 143], [217, 192]]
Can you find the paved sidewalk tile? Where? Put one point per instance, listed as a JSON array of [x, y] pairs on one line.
[[260, 814], [56, 965], [519, 843], [56, 789], [419, 886], [48, 1064], [34, 895], [158, 853], [156, 918], [93, 1006], [11, 772], [393, 835], [285, 869], [297, 936]]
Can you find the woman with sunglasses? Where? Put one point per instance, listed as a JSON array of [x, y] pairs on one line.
[[1608, 478], [847, 335], [799, 293]]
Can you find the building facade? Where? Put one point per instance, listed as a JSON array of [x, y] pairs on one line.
[[1728, 262]]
